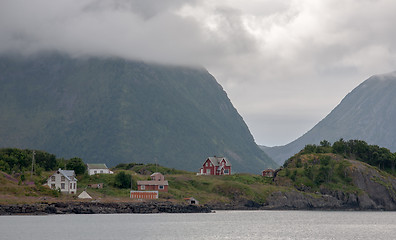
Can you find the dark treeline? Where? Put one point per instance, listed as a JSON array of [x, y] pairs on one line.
[[374, 155], [14, 160]]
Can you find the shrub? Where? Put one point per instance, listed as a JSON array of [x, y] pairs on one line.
[[122, 180]]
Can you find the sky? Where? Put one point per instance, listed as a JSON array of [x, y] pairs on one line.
[[284, 64]]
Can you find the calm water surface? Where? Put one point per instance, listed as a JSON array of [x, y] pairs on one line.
[[219, 225]]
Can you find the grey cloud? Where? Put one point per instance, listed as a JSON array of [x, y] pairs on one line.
[[146, 9], [274, 58]]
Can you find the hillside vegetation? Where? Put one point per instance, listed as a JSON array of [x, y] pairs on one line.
[[330, 166], [16, 165], [345, 175]]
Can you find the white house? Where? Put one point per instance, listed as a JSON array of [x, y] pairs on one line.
[[65, 180], [98, 168]]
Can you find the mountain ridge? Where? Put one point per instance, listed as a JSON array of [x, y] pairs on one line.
[[115, 110], [366, 113]]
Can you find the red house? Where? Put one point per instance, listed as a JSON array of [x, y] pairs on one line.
[[268, 173], [157, 183], [216, 166]]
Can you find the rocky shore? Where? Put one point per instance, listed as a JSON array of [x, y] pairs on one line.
[[100, 208], [326, 201], [293, 200]]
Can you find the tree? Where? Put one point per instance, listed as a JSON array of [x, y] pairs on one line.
[[122, 180], [325, 143], [45, 160], [339, 147], [310, 148], [77, 165]]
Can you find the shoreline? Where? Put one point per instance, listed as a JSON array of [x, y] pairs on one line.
[[152, 207], [100, 208]]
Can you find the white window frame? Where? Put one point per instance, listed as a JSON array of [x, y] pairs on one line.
[[143, 187]]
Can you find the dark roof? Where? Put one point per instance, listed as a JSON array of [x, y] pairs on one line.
[[69, 174], [152, 182], [217, 160]]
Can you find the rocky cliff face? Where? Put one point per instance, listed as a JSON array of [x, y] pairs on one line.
[[377, 191]]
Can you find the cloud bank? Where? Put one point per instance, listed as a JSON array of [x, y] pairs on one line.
[[284, 64]]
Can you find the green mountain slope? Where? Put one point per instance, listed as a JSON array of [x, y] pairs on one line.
[[367, 113], [114, 111]]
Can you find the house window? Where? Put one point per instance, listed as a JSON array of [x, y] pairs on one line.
[[207, 164], [226, 171], [143, 187], [62, 178], [71, 185], [95, 172], [62, 186], [74, 185], [101, 171], [53, 178], [161, 187], [208, 171], [53, 186]]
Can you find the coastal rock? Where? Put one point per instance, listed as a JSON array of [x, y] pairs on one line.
[[376, 191], [100, 208]]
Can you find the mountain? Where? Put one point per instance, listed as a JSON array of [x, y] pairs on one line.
[[367, 113], [111, 110]]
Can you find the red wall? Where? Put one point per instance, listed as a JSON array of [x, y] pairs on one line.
[[153, 188]]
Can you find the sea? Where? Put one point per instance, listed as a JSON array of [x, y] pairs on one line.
[[217, 225]]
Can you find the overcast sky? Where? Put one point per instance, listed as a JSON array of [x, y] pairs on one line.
[[284, 64]]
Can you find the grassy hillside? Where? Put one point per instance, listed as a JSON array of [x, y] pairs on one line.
[[207, 189], [311, 172], [20, 186], [344, 166], [14, 190], [346, 175], [183, 184], [118, 111]]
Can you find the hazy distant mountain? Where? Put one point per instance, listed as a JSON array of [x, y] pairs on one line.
[[112, 111], [367, 113]]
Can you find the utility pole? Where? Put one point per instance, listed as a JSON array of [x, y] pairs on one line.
[[131, 182], [33, 162]]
